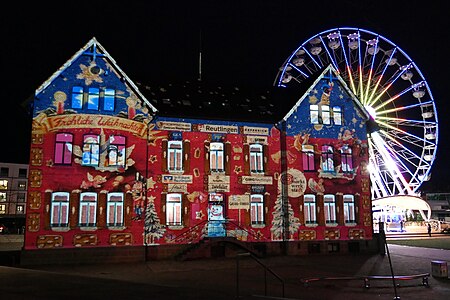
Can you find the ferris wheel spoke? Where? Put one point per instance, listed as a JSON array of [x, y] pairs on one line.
[[405, 136], [404, 149], [403, 108], [405, 122], [395, 97]]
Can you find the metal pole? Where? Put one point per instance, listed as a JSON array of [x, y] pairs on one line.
[[396, 297]]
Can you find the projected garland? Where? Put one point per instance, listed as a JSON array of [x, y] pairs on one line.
[[403, 137]]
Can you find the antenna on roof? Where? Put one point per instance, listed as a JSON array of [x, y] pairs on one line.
[[200, 57]]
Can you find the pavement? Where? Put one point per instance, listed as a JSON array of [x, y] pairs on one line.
[[241, 277]]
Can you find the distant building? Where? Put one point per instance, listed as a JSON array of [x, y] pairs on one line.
[[440, 205], [109, 171], [13, 196]]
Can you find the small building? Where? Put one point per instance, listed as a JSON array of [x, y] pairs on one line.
[[13, 197], [110, 173]]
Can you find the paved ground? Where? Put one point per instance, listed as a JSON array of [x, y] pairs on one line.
[[217, 278]]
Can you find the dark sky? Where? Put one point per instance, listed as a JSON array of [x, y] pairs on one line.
[[242, 42]]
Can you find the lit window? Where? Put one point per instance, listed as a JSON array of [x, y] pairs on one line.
[[314, 113], [175, 156], [19, 209], [349, 209], [256, 158], [93, 96], [327, 158], [216, 157], [91, 150], [2, 209], [115, 209], [329, 208], [77, 97], [310, 209], [60, 209], [88, 209], [346, 159], [173, 209], [308, 157], [326, 115], [257, 209], [22, 185], [63, 148], [116, 151], [337, 115], [109, 99], [3, 184], [2, 196]]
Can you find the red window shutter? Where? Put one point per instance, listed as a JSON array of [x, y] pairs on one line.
[[48, 210], [357, 208], [301, 215], [207, 153], [128, 213], [101, 211], [186, 210], [340, 209], [227, 158], [162, 211], [266, 206], [187, 156], [266, 159], [246, 159], [320, 212], [164, 154], [74, 208]]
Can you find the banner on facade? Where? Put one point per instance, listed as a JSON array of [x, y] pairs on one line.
[[217, 128], [255, 130], [176, 179], [257, 140], [239, 202], [177, 188], [257, 180], [177, 126], [219, 187], [218, 179]]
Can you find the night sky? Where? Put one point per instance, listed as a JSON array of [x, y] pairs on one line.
[[242, 43]]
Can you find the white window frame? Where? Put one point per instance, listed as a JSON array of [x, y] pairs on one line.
[[314, 113], [174, 209], [256, 158], [89, 208], [308, 158], [257, 209], [217, 157], [327, 158], [309, 209], [326, 120], [329, 203], [337, 115], [346, 159], [175, 156], [114, 209], [349, 209], [59, 212]]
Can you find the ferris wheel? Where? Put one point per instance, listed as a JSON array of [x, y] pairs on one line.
[[403, 135]]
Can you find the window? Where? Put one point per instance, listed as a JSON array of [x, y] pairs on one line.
[[349, 209], [115, 209], [63, 148], [109, 99], [173, 209], [327, 158], [314, 113], [216, 157], [175, 156], [2, 196], [91, 150], [326, 114], [22, 185], [77, 97], [93, 96], [60, 209], [4, 172], [19, 209], [337, 115], [257, 209], [329, 208], [310, 209], [308, 157], [20, 197], [346, 159], [256, 158], [2, 209], [88, 209], [23, 173], [3, 184], [116, 151]]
